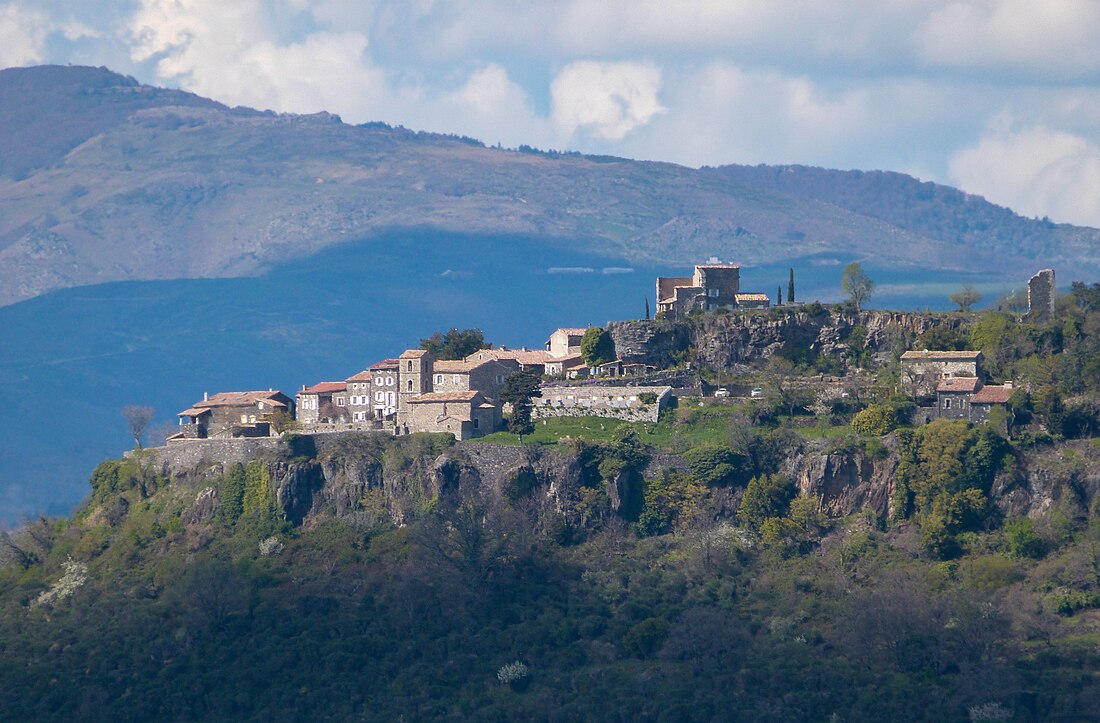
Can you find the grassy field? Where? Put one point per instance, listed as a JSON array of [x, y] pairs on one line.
[[694, 423]]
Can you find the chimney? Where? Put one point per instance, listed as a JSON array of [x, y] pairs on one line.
[[1008, 385], [205, 396]]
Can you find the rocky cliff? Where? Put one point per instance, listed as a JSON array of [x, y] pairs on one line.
[[725, 340]]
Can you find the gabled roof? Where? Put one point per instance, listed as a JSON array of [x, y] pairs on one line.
[[385, 365], [959, 384], [523, 356], [234, 399], [363, 376], [413, 353], [445, 397], [940, 355], [325, 388], [993, 394], [571, 331]]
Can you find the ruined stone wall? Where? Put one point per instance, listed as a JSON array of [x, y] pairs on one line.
[[601, 401]]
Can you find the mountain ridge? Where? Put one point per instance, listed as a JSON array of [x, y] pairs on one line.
[[148, 183]]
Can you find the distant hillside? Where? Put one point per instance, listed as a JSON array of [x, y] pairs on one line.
[[104, 179]]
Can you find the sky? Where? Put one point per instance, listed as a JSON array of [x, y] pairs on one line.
[[998, 97]]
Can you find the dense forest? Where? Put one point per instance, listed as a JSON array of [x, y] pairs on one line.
[[670, 572]]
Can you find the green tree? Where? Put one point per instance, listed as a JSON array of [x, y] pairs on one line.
[[1023, 540], [857, 284], [790, 287], [714, 464], [965, 298], [766, 496], [454, 344], [519, 389], [597, 347]]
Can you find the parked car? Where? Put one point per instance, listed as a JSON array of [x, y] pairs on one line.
[[756, 392], [721, 392]]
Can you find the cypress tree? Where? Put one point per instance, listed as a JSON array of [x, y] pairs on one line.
[[779, 296], [790, 288]]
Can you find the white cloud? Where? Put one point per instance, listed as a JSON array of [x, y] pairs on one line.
[[1035, 172], [605, 100], [1025, 37], [23, 35], [232, 51]]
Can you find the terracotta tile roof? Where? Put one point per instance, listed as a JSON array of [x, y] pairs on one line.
[[523, 356], [385, 365], [993, 394], [959, 384], [237, 399], [363, 376], [572, 362], [413, 353], [193, 412], [325, 388], [571, 332], [751, 297], [939, 355], [463, 366], [445, 397]]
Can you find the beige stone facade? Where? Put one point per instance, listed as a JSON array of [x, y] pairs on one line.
[[631, 403], [465, 414], [921, 371], [564, 342], [712, 286]]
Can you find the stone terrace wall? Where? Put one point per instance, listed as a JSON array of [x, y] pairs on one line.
[[181, 457], [620, 402]]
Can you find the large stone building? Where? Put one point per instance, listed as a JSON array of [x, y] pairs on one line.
[[531, 360], [713, 285], [485, 376], [921, 371], [232, 414]]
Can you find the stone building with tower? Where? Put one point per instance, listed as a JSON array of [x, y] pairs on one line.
[[713, 285]]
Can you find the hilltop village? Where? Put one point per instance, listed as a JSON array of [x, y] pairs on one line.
[[416, 392]]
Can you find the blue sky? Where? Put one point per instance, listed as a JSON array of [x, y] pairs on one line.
[[998, 97]]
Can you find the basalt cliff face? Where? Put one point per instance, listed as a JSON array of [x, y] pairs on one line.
[[348, 476], [724, 341]]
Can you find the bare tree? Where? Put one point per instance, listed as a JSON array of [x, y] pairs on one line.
[[137, 417], [857, 284], [965, 298]]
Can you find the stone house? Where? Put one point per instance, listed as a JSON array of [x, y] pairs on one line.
[[752, 301], [232, 414], [358, 394], [921, 371], [485, 376], [465, 414], [565, 342], [566, 366], [531, 360], [967, 398], [414, 377], [325, 402], [384, 378]]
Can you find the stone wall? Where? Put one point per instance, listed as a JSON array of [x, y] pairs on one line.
[[601, 401], [1040, 295]]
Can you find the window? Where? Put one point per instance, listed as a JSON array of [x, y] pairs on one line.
[[389, 381], [340, 401], [475, 423], [410, 385], [454, 380], [438, 378], [713, 293], [947, 403]]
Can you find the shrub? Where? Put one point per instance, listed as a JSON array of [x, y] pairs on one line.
[[646, 637], [1023, 540], [714, 464], [876, 420]]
